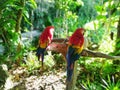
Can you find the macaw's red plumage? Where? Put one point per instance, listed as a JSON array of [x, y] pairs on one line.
[[75, 46], [77, 37], [44, 41], [46, 35]]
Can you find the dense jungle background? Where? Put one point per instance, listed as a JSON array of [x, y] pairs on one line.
[[22, 21]]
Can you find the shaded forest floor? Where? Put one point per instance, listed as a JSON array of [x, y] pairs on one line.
[[20, 79]]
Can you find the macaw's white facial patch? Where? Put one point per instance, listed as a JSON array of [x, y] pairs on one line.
[[51, 30]]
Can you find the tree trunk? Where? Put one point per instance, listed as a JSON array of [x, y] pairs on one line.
[[17, 29], [118, 38], [71, 85], [117, 47], [19, 16]]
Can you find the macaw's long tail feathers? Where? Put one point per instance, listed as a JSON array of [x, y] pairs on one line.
[[68, 56], [40, 53], [42, 57], [71, 50], [71, 57], [38, 57], [70, 63], [69, 74]]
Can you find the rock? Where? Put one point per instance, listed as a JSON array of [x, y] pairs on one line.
[[3, 75]]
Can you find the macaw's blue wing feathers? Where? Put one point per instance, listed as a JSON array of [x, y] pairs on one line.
[[71, 58], [71, 55], [40, 51]]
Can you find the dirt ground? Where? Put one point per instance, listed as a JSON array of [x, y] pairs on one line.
[[20, 79]]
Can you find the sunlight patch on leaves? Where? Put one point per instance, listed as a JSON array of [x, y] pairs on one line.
[[93, 25], [49, 60]]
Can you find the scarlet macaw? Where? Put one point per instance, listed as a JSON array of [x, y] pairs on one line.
[[75, 46], [44, 41]]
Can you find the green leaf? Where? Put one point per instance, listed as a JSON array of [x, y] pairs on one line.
[[25, 12], [27, 19], [33, 3], [101, 17]]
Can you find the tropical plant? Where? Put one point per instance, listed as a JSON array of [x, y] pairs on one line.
[[90, 85], [110, 83], [11, 12]]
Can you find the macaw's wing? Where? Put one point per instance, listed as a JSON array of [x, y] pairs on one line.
[[69, 55], [40, 51], [72, 55]]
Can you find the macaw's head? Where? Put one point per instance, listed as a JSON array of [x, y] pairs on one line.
[[49, 30], [47, 34], [80, 31], [77, 37]]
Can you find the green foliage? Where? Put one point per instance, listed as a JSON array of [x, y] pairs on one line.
[[31, 62], [67, 4], [110, 84], [106, 15], [41, 16], [5, 3], [7, 25], [117, 51], [58, 59], [109, 65], [91, 72], [90, 85], [87, 12], [96, 36], [11, 38], [32, 3], [67, 20], [104, 22], [49, 60]]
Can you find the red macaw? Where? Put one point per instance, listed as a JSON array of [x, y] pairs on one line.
[[75, 46], [44, 41]]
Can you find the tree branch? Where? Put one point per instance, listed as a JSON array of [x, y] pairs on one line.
[[60, 46], [89, 53]]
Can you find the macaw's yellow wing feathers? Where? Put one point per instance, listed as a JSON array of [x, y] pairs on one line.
[[78, 49], [44, 45]]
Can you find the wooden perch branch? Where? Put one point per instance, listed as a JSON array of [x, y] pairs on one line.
[[60, 46], [90, 53]]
